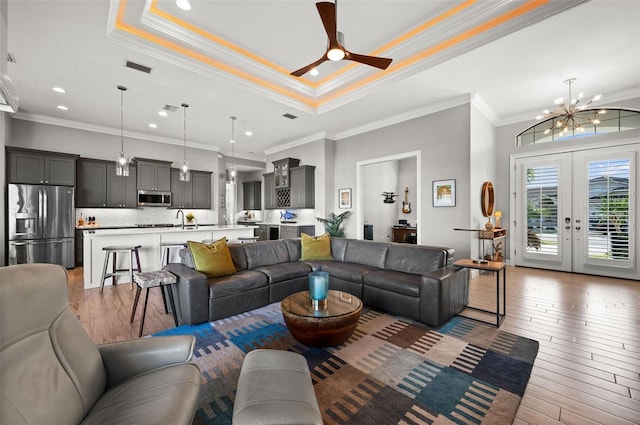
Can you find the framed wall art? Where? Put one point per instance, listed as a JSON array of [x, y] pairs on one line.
[[344, 198], [444, 193]]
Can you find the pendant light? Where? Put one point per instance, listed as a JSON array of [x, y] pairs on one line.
[[185, 174], [233, 171], [122, 163]]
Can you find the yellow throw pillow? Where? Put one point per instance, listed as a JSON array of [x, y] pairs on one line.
[[212, 259], [315, 248]]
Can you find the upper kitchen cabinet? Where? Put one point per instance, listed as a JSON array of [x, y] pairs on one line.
[[270, 200], [121, 190], [302, 193], [192, 194], [91, 191], [40, 167], [153, 175], [281, 170], [252, 195]]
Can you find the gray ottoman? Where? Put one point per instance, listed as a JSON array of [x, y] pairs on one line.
[[275, 388]]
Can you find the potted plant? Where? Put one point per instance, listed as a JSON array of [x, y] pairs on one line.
[[189, 217], [333, 224]]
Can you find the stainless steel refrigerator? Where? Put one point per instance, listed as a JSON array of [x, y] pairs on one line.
[[41, 224]]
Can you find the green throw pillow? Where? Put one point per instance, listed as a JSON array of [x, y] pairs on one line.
[[212, 259], [315, 248]]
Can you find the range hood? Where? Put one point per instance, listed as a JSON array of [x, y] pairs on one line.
[[8, 96]]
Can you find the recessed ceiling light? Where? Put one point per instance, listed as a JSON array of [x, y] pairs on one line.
[[62, 107], [248, 133], [59, 90], [153, 125], [163, 113], [314, 72], [183, 4]]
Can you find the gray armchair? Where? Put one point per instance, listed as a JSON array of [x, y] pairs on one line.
[[52, 373]]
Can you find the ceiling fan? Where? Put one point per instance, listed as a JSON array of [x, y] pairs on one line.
[[335, 49]]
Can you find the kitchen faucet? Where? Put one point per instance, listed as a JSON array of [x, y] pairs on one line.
[[177, 214]]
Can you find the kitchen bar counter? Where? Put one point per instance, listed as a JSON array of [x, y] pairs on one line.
[[150, 238]]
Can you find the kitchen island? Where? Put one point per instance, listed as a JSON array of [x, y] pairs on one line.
[[150, 239]]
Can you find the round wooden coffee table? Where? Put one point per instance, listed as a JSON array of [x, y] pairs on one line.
[[327, 326]]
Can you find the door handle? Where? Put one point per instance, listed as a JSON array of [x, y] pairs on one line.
[[577, 227], [567, 227]]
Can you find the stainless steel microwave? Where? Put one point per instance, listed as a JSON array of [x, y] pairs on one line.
[[150, 198]]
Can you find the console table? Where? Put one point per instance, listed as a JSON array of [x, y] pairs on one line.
[[404, 234], [495, 267]]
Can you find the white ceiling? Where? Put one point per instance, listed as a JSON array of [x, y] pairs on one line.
[[229, 58]]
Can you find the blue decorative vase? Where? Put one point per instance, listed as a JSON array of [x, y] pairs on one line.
[[318, 288]]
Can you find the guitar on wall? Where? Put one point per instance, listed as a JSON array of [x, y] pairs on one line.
[[406, 206]]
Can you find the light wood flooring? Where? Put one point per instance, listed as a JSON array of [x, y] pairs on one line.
[[587, 370]]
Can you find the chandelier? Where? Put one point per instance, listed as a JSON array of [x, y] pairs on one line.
[[571, 116], [233, 170], [122, 161], [185, 174]]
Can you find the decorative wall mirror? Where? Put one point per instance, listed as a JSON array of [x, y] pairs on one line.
[[486, 203]]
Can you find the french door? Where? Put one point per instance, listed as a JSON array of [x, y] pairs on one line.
[[577, 212]]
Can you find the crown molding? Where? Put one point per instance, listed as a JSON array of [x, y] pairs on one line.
[[299, 142], [76, 125], [406, 116], [484, 108]]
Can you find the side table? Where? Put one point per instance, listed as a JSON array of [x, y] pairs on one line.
[[495, 267], [150, 280]]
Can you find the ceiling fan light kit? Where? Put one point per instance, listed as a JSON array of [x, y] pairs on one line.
[[335, 46]]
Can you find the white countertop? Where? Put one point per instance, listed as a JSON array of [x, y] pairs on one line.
[[164, 230]]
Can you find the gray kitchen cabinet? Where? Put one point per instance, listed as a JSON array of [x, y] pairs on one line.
[[181, 191], [262, 232], [269, 191], [281, 169], [121, 190], [201, 189], [153, 175], [290, 231], [252, 195], [79, 247], [302, 180], [91, 190], [40, 167], [192, 194]]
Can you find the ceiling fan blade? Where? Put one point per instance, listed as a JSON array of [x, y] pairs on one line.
[[327, 11], [300, 72], [374, 61]]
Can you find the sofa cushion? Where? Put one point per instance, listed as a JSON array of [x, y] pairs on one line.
[[237, 283], [294, 248], [415, 258], [212, 259], [284, 271], [351, 272], [160, 396], [372, 254], [266, 253], [315, 247], [398, 282], [338, 248]]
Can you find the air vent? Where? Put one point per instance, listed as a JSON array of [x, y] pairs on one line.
[[170, 108], [138, 67], [291, 117]]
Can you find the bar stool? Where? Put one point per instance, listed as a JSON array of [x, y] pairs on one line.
[[114, 250], [165, 249], [244, 239], [148, 280]]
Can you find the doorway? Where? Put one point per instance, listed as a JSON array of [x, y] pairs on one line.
[[576, 211], [365, 196]]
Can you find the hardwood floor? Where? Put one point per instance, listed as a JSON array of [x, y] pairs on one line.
[[587, 370]]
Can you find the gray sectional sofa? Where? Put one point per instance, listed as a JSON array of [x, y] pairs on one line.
[[414, 281]]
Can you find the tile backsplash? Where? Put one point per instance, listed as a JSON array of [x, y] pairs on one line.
[[131, 217]]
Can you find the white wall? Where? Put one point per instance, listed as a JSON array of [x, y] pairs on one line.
[[378, 178], [407, 179], [482, 168], [443, 140]]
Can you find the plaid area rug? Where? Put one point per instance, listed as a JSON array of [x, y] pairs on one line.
[[390, 371]]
